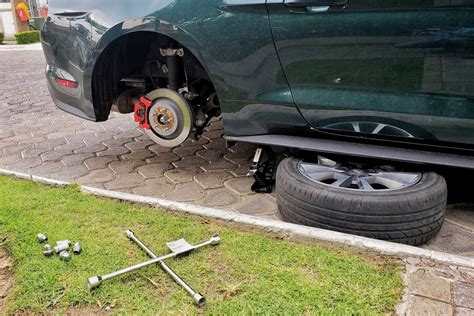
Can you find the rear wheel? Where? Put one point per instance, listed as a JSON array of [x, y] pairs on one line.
[[378, 203]]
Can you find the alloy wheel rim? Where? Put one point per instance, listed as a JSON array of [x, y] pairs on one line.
[[333, 174]]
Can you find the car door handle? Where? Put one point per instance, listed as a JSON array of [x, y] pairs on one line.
[[315, 3]]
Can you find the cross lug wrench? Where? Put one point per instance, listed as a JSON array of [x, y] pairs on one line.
[[198, 298], [179, 247]]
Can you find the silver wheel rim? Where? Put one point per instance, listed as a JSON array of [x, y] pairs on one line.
[[333, 174]]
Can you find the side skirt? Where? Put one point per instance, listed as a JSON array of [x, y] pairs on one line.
[[360, 150]]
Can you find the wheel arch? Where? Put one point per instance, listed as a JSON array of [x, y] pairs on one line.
[[101, 92]]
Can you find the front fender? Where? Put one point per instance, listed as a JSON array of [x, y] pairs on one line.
[[147, 24]]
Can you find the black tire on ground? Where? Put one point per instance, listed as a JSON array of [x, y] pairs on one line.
[[410, 215]]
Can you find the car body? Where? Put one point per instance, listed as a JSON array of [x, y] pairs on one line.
[[390, 79]]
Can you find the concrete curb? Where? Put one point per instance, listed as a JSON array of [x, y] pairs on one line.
[[382, 247]]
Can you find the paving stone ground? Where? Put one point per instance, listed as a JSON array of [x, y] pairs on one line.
[[37, 138], [435, 289]]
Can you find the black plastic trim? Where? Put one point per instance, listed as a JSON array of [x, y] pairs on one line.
[[360, 150]]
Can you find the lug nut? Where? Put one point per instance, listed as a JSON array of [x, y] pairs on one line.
[[61, 247], [77, 248], [60, 242], [65, 256], [41, 238], [48, 250]]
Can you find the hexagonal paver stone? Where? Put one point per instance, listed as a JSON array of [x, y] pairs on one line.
[[155, 187], [125, 166], [155, 170], [76, 159], [33, 152], [115, 142], [188, 150], [141, 154], [71, 146], [98, 163], [74, 138], [190, 162], [214, 134], [219, 198], [191, 141], [464, 294], [55, 155], [165, 157], [16, 149], [219, 165], [97, 176], [27, 163], [212, 180], [216, 144], [185, 193], [425, 306], [241, 185], [131, 133], [91, 149], [70, 173], [47, 168], [212, 155], [5, 144], [126, 181], [7, 159], [157, 149], [180, 175], [50, 144], [258, 204], [134, 146], [113, 151], [423, 283]]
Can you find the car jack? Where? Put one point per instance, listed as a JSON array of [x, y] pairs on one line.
[[263, 165], [178, 248]]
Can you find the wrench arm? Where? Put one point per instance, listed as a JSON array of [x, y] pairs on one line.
[[198, 298], [96, 281]]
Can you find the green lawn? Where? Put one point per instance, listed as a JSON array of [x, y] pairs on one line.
[[248, 273]]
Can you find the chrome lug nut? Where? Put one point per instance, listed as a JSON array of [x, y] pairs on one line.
[[61, 247], [41, 238], [48, 250], [68, 242], [77, 249], [65, 256]]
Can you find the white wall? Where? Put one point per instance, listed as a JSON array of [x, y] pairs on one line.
[[7, 25]]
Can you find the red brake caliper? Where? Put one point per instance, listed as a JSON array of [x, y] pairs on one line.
[[142, 108]]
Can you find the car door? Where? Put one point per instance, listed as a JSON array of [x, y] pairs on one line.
[[401, 69]]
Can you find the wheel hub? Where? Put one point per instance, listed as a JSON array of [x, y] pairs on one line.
[[164, 117], [167, 117]]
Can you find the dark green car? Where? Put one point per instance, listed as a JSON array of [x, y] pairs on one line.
[[385, 79]]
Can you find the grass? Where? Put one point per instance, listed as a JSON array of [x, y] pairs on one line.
[[248, 273]]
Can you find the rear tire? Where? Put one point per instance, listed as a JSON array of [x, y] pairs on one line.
[[411, 215]]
